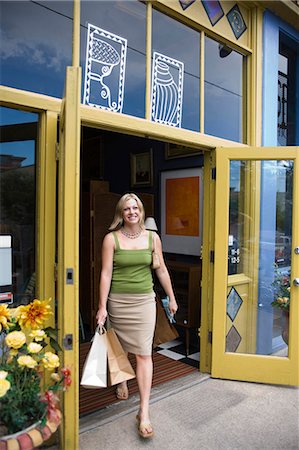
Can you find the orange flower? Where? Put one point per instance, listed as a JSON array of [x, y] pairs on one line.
[[4, 316], [35, 314]]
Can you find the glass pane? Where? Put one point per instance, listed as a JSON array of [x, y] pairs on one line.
[[260, 238], [236, 214], [179, 42], [126, 19], [36, 45], [287, 122], [17, 200], [223, 91]]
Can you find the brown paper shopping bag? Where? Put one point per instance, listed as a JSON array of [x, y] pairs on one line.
[[94, 374], [119, 366], [164, 330]]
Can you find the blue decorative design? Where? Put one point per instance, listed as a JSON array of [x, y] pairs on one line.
[[214, 10], [233, 304], [186, 3], [236, 21], [105, 69], [167, 90]]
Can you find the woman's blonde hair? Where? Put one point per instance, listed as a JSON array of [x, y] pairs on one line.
[[119, 209]]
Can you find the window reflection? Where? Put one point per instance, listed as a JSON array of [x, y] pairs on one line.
[[236, 214], [17, 199], [223, 91], [180, 42], [36, 45], [287, 124], [37, 63], [127, 20]]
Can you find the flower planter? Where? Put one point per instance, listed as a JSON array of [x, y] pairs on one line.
[[32, 437]]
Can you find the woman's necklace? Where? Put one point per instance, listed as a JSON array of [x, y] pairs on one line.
[[131, 235]]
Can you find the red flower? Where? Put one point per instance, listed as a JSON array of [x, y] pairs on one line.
[[67, 382], [65, 372]]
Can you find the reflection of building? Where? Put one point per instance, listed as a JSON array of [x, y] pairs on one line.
[[230, 101], [8, 162]]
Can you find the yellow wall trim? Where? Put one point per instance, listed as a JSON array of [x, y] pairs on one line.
[[28, 100], [121, 123]]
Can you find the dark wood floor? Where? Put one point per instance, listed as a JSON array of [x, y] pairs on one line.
[[165, 369]]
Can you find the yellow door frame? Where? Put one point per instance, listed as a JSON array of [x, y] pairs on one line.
[[243, 366], [68, 251], [46, 207]]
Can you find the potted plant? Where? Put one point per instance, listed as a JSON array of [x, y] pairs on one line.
[[29, 376], [281, 300]]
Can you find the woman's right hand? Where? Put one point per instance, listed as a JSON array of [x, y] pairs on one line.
[[101, 316]]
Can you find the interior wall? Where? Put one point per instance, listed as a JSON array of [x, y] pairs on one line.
[[112, 161], [106, 156]]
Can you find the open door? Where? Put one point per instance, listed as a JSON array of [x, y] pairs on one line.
[[256, 264], [68, 250]]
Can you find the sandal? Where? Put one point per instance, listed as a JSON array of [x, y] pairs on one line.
[[143, 428], [122, 393]]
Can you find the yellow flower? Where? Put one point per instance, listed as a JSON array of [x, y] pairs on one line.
[[4, 386], [13, 352], [55, 376], [35, 314], [15, 339], [38, 335], [27, 361], [4, 316], [50, 360], [33, 347], [3, 374]]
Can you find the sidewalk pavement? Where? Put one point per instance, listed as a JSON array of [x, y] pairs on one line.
[[197, 412]]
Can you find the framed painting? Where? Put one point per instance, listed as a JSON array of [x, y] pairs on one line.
[[181, 211], [180, 151], [142, 169]]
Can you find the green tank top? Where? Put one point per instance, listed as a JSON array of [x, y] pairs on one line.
[[132, 272]]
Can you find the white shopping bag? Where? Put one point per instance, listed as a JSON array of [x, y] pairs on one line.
[[94, 374]]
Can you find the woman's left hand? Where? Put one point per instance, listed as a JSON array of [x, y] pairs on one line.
[[173, 306]]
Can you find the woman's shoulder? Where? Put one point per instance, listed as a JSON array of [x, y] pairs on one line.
[[109, 238]]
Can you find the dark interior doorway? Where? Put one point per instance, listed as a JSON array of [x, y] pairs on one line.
[[107, 162]]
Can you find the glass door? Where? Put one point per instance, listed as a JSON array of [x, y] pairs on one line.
[[256, 277]]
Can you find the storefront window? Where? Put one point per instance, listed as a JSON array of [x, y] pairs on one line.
[[36, 45], [17, 200], [127, 20], [181, 43], [287, 126], [223, 91]]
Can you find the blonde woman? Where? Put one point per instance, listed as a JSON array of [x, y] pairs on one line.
[[126, 291]]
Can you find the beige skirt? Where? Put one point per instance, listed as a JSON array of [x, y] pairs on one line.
[[133, 317]]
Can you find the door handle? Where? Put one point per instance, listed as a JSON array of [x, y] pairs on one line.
[[296, 282]]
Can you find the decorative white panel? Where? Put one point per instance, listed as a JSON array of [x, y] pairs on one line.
[[167, 90], [104, 69]]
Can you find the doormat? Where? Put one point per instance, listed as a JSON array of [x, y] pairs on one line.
[[165, 369]]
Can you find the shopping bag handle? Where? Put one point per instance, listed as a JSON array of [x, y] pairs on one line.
[[99, 329]]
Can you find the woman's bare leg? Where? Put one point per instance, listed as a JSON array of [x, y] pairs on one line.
[[144, 375]]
